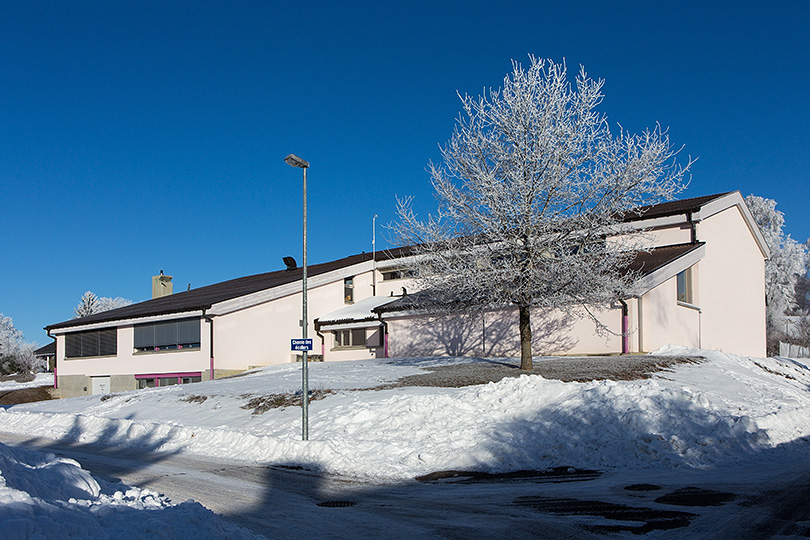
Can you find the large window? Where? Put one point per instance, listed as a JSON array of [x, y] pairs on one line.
[[91, 343], [355, 337], [685, 286], [168, 335]]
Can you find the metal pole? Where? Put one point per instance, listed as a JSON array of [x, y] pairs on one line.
[[374, 256], [294, 161], [304, 324]]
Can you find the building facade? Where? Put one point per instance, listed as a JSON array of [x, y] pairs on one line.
[[703, 286]]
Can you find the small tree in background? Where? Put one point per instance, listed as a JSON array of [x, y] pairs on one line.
[[803, 284], [532, 184], [90, 304], [87, 305], [783, 271], [16, 356]]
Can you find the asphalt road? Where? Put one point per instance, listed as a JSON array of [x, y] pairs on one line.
[[279, 502]]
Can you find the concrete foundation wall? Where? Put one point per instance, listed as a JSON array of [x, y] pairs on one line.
[[72, 386]]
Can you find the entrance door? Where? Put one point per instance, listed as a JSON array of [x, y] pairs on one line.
[[101, 385]]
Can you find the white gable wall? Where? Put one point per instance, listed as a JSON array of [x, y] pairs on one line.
[[732, 285]]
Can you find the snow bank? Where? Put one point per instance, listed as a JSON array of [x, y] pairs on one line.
[[723, 411], [42, 496], [40, 379]]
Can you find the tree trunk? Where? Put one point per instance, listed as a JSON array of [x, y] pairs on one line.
[[525, 339]]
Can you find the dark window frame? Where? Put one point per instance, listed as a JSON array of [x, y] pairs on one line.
[[348, 338], [348, 290], [171, 335], [685, 293], [91, 343]]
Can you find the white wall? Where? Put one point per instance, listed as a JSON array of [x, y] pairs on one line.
[[666, 322], [732, 286], [497, 333], [260, 335], [129, 362]]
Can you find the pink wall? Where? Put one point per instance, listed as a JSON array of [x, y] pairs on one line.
[[128, 362], [496, 333], [665, 322], [732, 286]]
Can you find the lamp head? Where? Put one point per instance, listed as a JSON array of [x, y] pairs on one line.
[[294, 161]]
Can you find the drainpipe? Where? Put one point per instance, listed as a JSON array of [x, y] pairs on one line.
[[210, 321], [55, 355], [692, 227], [640, 307], [483, 334], [323, 345], [625, 328]]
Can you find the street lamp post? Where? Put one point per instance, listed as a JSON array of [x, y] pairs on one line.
[[294, 161], [374, 256]]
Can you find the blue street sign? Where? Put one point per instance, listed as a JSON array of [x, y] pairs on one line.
[[301, 344]]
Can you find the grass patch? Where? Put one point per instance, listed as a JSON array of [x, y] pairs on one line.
[[26, 395], [191, 398], [262, 404]]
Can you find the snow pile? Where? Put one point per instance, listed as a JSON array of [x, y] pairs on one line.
[[42, 496], [40, 379], [723, 411]]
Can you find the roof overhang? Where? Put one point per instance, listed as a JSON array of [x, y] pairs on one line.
[[670, 269], [358, 315], [351, 325], [127, 322]]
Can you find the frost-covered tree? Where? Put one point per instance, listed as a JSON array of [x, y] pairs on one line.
[[16, 355], [87, 305], [803, 285], [90, 304], [783, 271], [533, 184]]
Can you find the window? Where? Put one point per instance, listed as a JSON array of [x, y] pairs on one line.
[[168, 335], [348, 290], [146, 383], [152, 381], [355, 337], [91, 343], [396, 274], [685, 286]]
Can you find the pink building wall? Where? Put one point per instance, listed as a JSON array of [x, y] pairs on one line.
[[732, 286], [127, 361]]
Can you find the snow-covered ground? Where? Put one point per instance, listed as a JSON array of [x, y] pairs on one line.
[[42, 496], [728, 411], [40, 379]]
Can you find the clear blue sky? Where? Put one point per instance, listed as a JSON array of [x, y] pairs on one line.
[[140, 136]]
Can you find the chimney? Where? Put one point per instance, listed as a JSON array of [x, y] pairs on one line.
[[161, 285]]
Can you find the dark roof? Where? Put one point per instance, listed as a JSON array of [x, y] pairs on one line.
[[645, 263], [46, 350], [671, 208], [205, 297]]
